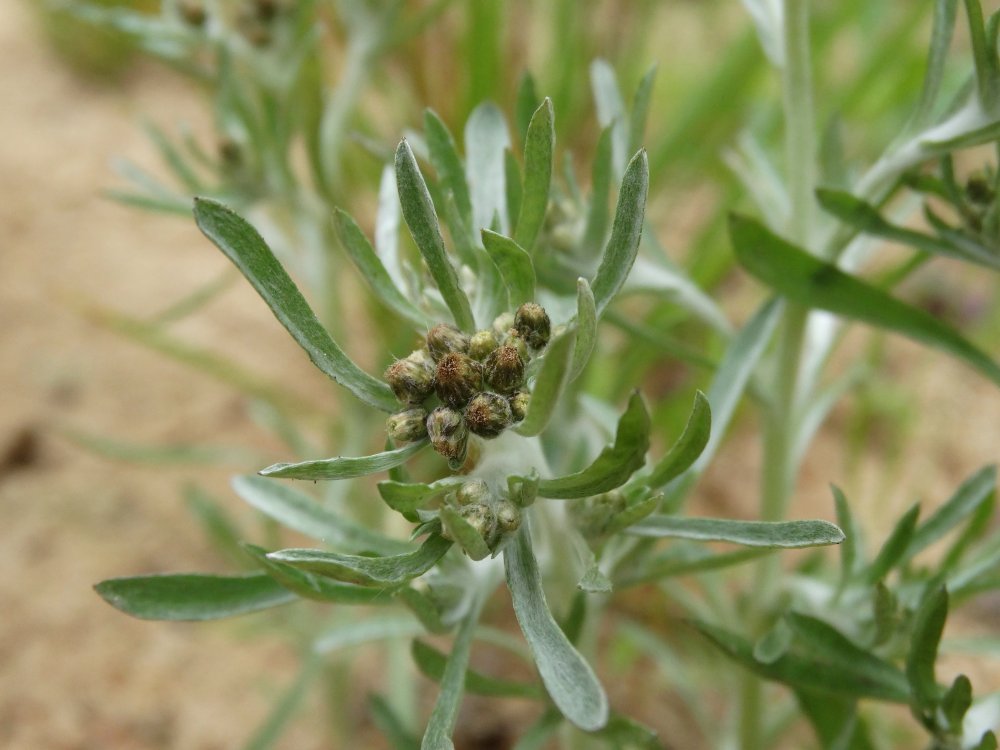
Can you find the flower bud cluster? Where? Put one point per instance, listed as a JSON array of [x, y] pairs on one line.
[[479, 381], [593, 516], [489, 514]]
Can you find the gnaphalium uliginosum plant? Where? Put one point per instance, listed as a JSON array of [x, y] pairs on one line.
[[492, 370]]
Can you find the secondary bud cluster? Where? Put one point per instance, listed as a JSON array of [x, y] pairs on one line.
[[593, 515], [490, 515], [479, 381]]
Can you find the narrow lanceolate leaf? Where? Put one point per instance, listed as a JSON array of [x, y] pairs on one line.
[[568, 678], [615, 464], [486, 138], [193, 596], [246, 248], [448, 165], [786, 534], [688, 446], [826, 642], [806, 671], [311, 586], [866, 218], [849, 550], [539, 146], [344, 467], [468, 538], [894, 547], [968, 498], [809, 281], [515, 266], [367, 571], [433, 663], [944, 26], [928, 624], [437, 735], [407, 497], [549, 384], [305, 514], [362, 254], [420, 217], [623, 245], [600, 188], [586, 328]]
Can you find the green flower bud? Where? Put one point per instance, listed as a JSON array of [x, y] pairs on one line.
[[481, 344], [503, 323], [517, 341], [488, 414], [504, 369], [408, 425], [444, 339], [508, 516], [532, 322], [411, 378], [448, 434], [481, 517], [474, 491], [519, 405], [593, 515], [459, 378]]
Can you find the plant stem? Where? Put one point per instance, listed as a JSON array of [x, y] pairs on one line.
[[780, 469]]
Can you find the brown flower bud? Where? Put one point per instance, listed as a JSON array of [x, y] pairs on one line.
[[408, 425], [517, 341], [488, 415], [448, 434], [482, 518], [411, 378], [532, 322], [444, 339], [459, 378], [193, 12], [481, 344], [519, 405], [504, 369]]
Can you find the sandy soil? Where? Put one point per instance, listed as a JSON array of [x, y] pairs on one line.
[[76, 674]]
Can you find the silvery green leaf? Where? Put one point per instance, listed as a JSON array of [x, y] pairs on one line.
[[641, 101], [850, 552], [244, 246], [968, 498], [318, 588], [305, 514], [437, 735], [387, 229], [539, 146], [515, 267], [549, 383], [594, 581], [928, 624], [623, 245], [420, 217], [768, 18], [586, 328], [406, 497], [367, 571], [344, 467], [614, 465], [866, 218], [193, 596], [515, 190], [944, 27], [362, 254], [784, 534], [984, 54], [568, 678], [486, 138], [610, 110], [829, 677], [807, 280], [688, 447], [432, 663], [444, 156], [467, 536], [894, 547], [526, 102], [685, 561], [671, 283]]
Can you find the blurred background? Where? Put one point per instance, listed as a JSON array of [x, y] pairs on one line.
[[96, 430]]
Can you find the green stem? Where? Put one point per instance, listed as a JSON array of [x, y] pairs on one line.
[[780, 464]]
